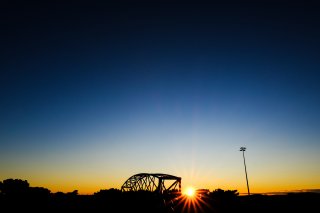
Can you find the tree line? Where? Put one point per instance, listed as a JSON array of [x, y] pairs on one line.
[[17, 195]]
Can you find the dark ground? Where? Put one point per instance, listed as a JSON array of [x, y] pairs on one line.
[[116, 201], [17, 196]]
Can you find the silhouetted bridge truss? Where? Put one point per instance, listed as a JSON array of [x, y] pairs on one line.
[[160, 183]]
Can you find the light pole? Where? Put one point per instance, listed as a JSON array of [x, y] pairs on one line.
[[242, 149]]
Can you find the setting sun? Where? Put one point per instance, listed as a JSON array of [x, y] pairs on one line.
[[190, 192]]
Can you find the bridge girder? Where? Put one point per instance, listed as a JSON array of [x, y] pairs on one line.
[[154, 182]]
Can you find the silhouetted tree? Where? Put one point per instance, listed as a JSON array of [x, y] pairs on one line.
[[224, 201], [14, 187], [39, 193]]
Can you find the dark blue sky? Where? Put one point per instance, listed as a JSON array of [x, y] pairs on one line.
[[72, 72]]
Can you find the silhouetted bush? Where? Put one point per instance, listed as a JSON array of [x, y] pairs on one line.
[[39, 192], [109, 193], [224, 194]]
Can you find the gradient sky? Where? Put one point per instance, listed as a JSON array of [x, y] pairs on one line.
[[92, 94]]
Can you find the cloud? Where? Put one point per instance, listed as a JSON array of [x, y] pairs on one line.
[[308, 190], [293, 191]]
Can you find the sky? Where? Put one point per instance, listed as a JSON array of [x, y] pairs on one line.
[[93, 93]]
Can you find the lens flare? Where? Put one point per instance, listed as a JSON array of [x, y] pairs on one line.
[[192, 200]]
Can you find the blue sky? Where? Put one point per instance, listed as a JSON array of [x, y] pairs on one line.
[[92, 94]]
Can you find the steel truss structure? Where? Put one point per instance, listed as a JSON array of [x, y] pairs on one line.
[[152, 182]]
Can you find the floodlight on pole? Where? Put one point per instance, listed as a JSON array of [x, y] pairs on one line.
[[243, 149]]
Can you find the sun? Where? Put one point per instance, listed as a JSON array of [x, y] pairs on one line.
[[191, 201], [190, 192]]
